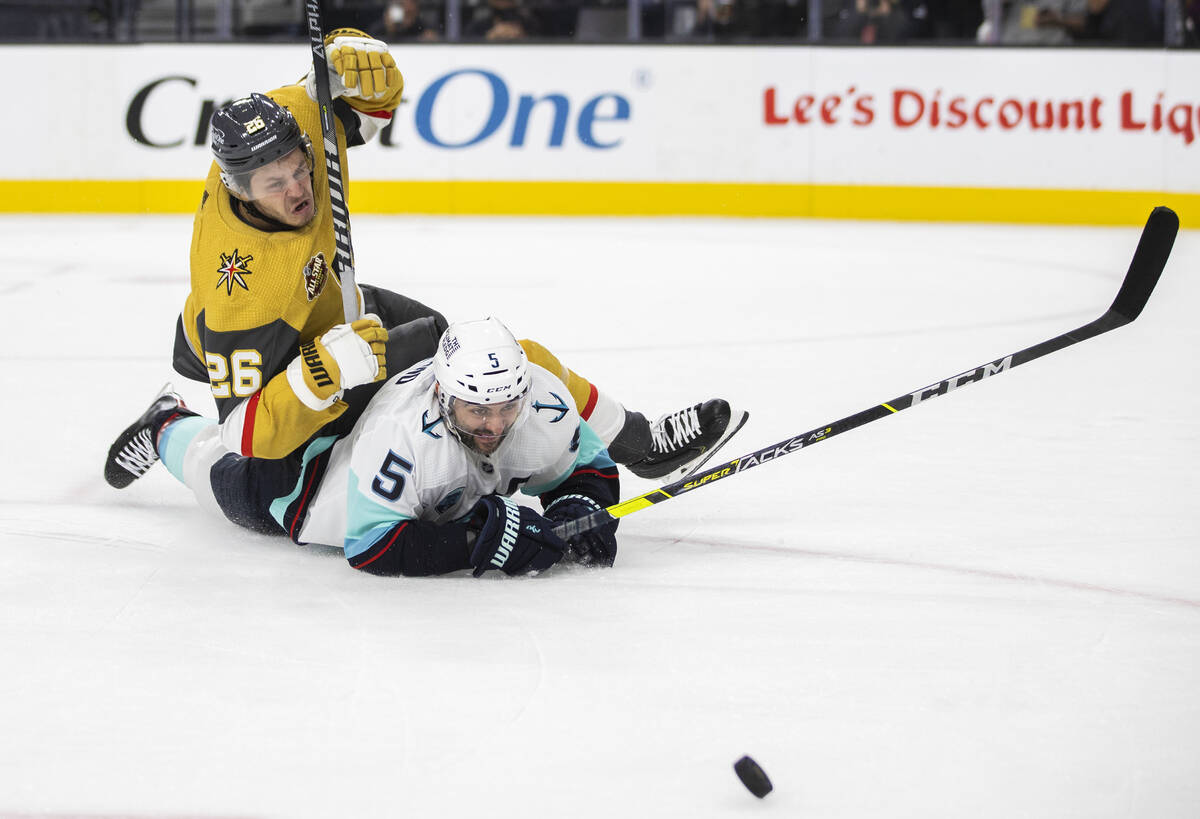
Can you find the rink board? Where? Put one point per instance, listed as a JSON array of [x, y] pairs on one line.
[[1093, 136]]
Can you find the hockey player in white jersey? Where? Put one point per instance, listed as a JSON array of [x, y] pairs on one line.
[[438, 450], [420, 484]]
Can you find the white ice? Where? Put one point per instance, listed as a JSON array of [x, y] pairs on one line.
[[986, 607]]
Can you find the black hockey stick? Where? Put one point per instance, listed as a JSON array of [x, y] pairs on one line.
[[1148, 262], [343, 263]]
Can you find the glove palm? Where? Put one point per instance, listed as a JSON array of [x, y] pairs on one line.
[[595, 547]]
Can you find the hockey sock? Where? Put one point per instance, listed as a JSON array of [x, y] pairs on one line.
[[188, 449], [174, 439], [632, 441]]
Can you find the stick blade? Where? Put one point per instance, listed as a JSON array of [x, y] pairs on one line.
[[1158, 237]]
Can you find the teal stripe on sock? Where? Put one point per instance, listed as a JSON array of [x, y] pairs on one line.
[[175, 439]]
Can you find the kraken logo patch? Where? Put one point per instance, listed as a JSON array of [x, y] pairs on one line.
[[316, 274], [233, 268], [450, 501], [560, 407]]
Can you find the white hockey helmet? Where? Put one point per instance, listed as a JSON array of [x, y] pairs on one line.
[[480, 362]]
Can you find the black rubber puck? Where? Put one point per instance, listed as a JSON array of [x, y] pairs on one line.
[[752, 776]]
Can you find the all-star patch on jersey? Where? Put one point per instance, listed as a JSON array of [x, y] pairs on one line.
[[315, 274]]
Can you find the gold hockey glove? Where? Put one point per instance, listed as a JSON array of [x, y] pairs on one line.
[[362, 70], [346, 356]]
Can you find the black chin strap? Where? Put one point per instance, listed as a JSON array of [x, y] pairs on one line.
[[241, 207]]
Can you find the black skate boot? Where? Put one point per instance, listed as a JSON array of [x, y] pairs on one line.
[[683, 441], [133, 453]]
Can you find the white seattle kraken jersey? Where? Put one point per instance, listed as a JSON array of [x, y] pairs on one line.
[[401, 463]]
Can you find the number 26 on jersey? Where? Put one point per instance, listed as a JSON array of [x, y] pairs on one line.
[[238, 376]]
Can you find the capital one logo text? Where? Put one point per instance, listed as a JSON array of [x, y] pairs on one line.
[[495, 113]]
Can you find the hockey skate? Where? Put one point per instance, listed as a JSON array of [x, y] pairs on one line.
[[683, 441], [134, 452]]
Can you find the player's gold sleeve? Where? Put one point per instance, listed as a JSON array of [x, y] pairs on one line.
[[583, 392], [273, 422]]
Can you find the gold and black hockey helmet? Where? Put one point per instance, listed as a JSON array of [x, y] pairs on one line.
[[251, 132]]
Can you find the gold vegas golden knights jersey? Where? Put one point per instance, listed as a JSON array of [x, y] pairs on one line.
[[256, 296]]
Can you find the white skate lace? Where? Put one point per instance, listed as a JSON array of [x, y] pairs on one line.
[[138, 455], [684, 426]]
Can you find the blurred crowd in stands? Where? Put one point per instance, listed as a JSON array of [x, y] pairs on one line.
[[997, 22]]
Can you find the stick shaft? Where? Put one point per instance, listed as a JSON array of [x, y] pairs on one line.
[[1147, 265], [343, 262]]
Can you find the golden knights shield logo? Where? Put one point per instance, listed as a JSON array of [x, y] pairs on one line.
[[316, 274], [233, 268]]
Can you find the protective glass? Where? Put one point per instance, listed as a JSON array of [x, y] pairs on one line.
[[283, 182], [483, 427]]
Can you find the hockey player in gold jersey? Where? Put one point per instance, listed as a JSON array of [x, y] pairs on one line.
[[262, 286], [263, 323]]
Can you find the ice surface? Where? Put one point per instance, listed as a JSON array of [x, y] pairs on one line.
[[988, 606]]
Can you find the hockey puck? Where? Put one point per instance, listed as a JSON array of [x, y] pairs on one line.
[[752, 776]]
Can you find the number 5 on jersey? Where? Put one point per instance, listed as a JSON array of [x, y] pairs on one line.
[[389, 483]]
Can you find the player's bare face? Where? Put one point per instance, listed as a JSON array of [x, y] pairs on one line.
[[483, 426], [283, 190]]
